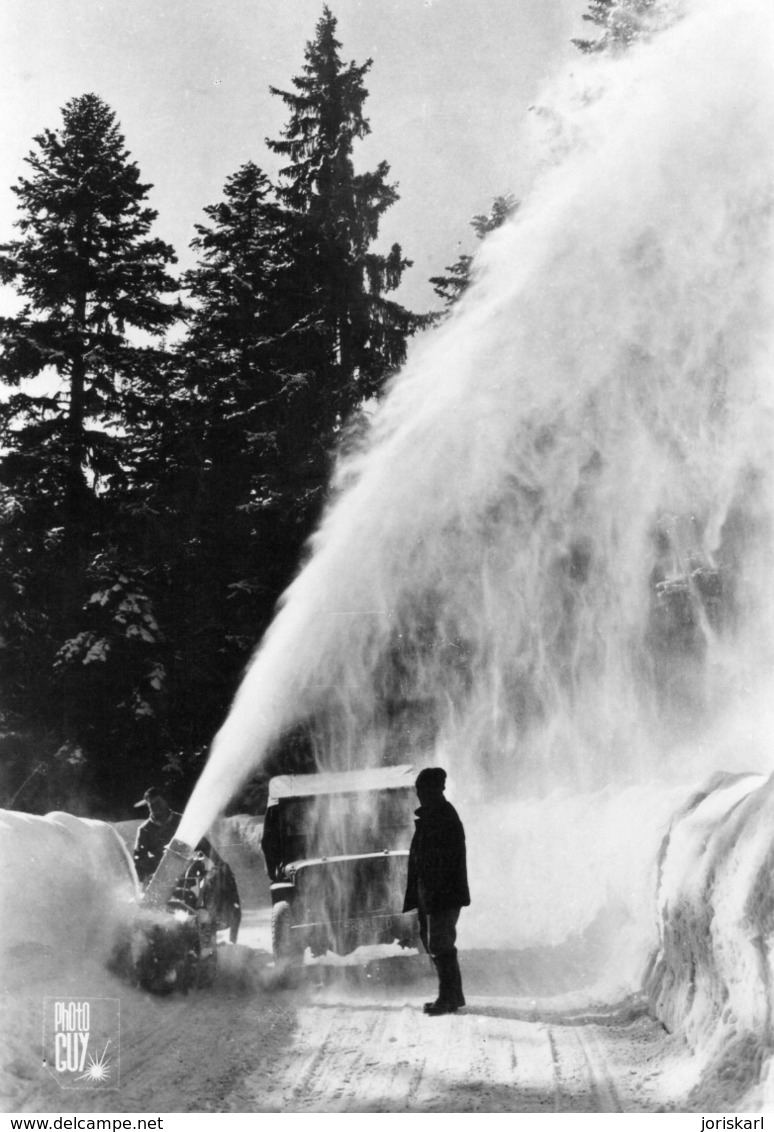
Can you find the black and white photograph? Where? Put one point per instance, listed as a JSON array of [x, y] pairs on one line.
[[386, 560]]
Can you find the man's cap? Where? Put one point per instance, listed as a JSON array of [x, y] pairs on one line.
[[151, 792], [431, 778]]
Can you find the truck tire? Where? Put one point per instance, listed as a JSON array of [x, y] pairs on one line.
[[283, 945]]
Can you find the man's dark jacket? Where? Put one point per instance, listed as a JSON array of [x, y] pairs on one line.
[[151, 841], [437, 871]]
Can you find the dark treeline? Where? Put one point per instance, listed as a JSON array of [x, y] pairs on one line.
[[160, 479]]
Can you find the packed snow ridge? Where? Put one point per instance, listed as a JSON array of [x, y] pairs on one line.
[[711, 977]]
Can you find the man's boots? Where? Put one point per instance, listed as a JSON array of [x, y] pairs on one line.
[[427, 1005], [460, 997], [450, 996]]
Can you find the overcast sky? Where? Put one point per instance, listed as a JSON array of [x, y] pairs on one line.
[[188, 80]]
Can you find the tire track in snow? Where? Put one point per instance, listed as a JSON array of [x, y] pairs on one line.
[[406, 1069], [359, 1065], [576, 1089], [368, 1059], [158, 1036], [558, 1106], [582, 1072], [356, 1054], [307, 1066], [599, 1075]]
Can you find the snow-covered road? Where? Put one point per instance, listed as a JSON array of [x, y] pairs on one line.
[[353, 1038], [500, 1055], [549, 1026]]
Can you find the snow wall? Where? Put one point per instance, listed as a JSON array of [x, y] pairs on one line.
[[66, 885], [712, 977]]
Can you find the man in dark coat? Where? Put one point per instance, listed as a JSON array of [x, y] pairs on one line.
[[438, 885], [155, 834]]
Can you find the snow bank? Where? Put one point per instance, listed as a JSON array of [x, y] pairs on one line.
[[65, 883], [712, 976]]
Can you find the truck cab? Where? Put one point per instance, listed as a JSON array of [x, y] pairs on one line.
[[336, 848]]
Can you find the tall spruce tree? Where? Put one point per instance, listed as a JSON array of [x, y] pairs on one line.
[[459, 275], [88, 274], [349, 336]]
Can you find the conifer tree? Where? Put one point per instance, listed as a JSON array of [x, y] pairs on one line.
[[88, 274], [351, 335]]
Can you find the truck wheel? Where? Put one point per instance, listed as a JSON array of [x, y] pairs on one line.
[[284, 946]]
